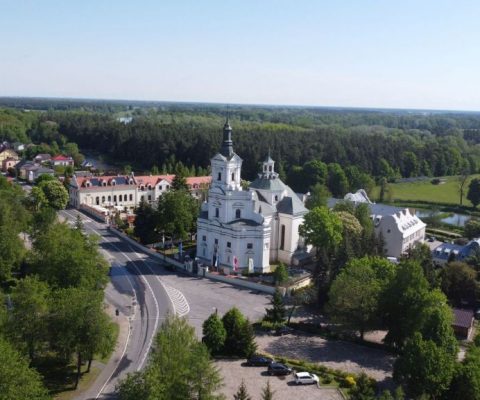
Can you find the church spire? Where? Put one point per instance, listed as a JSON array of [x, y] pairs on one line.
[[227, 145]]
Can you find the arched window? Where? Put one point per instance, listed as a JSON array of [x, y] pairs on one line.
[[217, 212], [114, 182], [109, 198], [238, 213], [103, 199], [149, 187], [233, 176], [97, 200], [276, 198], [131, 197], [282, 238], [115, 198], [219, 177], [124, 197]]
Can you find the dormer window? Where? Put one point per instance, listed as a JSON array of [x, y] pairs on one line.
[[104, 183], [114, 182], [88, 184], [149, 187], [130, 181], [142, 187]]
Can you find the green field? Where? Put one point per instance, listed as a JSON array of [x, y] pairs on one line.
[[445, 193]]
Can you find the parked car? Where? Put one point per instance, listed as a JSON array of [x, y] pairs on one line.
[[278, 369], [283, 330], [260, 361], [305, 378]]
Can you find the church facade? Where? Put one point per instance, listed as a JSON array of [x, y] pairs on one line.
[[240, 229]]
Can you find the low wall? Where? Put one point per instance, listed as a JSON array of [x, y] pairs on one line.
[[183, 268]]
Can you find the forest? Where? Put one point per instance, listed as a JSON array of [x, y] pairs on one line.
[[389, 144]]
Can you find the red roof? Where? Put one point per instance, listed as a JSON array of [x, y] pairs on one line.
[[152, 179], [199, 180], [61, 158]]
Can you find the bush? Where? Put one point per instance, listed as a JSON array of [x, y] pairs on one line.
[[435, 181], [327, 380], [349, 381]]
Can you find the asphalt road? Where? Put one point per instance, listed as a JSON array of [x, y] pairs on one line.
[[144, 292]]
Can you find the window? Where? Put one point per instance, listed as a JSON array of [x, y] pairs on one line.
[[233, 176], [109, 198], [149, 187], [103, 199], [149, 197], [249, 245], [124, 197], [216, 241], [276, 198], [115, 198], [282, 238], [270, 168], [229, 245], [219, 177], [113, 182], [97, 200], [238, 213], [131, 197], [217, 213], [160, 187], [204, 238]]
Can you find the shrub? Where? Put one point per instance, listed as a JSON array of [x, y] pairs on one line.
[[435, 181], [349, 381]]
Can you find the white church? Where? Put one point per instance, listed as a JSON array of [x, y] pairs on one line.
[[241, 229]]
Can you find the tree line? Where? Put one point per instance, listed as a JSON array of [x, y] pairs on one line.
[[51, 314]]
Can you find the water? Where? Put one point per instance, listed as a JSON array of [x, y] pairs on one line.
[[97, 162], [454, 219]]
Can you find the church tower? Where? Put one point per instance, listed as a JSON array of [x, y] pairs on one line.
[[226, 165]]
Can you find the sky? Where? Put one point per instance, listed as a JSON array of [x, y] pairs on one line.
[[422, 54]]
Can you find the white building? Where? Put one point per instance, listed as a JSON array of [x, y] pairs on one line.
[[126, 190], [239, 229], [400, 228]]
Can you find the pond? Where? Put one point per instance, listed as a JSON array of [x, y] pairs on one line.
[[453, 218], [98, 162]]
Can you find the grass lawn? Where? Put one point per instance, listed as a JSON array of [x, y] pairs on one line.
[[425, 191]]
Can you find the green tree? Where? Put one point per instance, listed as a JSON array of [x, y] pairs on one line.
[[214, 334], [179, 182], [319, 195], [79, 326], [280, 274], [277, 313], [355, 294], [322, 229], [37, 198], [56, 194], [459, 283], [466, 381], [418, 370], [337, 181], [179, 368], [146, 220], [78, 223], [17, 380], [242, 393], [127, 169], [364, 388], [27, 322], [474, 192], [267, 392], [177, 214], [472, 228], [421, 254], [403, 303], [64, 257], [240, 339], [410, 164]]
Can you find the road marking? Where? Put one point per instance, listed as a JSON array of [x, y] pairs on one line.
[[179, 302]]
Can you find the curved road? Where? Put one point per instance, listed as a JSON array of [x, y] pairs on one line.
[[139, 294]]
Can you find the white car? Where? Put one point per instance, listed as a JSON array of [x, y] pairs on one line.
[[304, 378]]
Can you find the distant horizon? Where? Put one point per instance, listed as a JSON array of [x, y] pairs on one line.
[[272, 105]]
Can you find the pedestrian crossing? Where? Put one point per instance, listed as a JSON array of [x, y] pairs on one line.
[[180, 303]]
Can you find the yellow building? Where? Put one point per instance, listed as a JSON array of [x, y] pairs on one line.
[[7, 153]]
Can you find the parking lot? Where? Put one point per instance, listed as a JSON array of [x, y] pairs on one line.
[[256, 378]]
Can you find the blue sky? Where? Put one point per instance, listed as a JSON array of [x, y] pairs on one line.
[[360, 53]]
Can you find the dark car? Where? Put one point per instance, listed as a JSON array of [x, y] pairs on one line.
[[284, 330], [278, 369], [259, 361]]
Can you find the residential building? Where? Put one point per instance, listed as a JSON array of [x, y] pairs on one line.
[[240, 229], [6, 152], [400, 228], [446, 252], [31, 171], [62, 161], [463, 322], [8, 163], [126, 190], [42, 158]]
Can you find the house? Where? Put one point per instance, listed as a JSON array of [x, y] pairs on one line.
[[125, 190], [62, 161], [8, 163], [400, 228], [240, 229], [42, 158], [446, 252], [35, 171], [463, 322], [6, 152], [18, 146]]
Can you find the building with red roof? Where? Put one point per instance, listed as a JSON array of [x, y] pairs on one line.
[[62, 160]]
